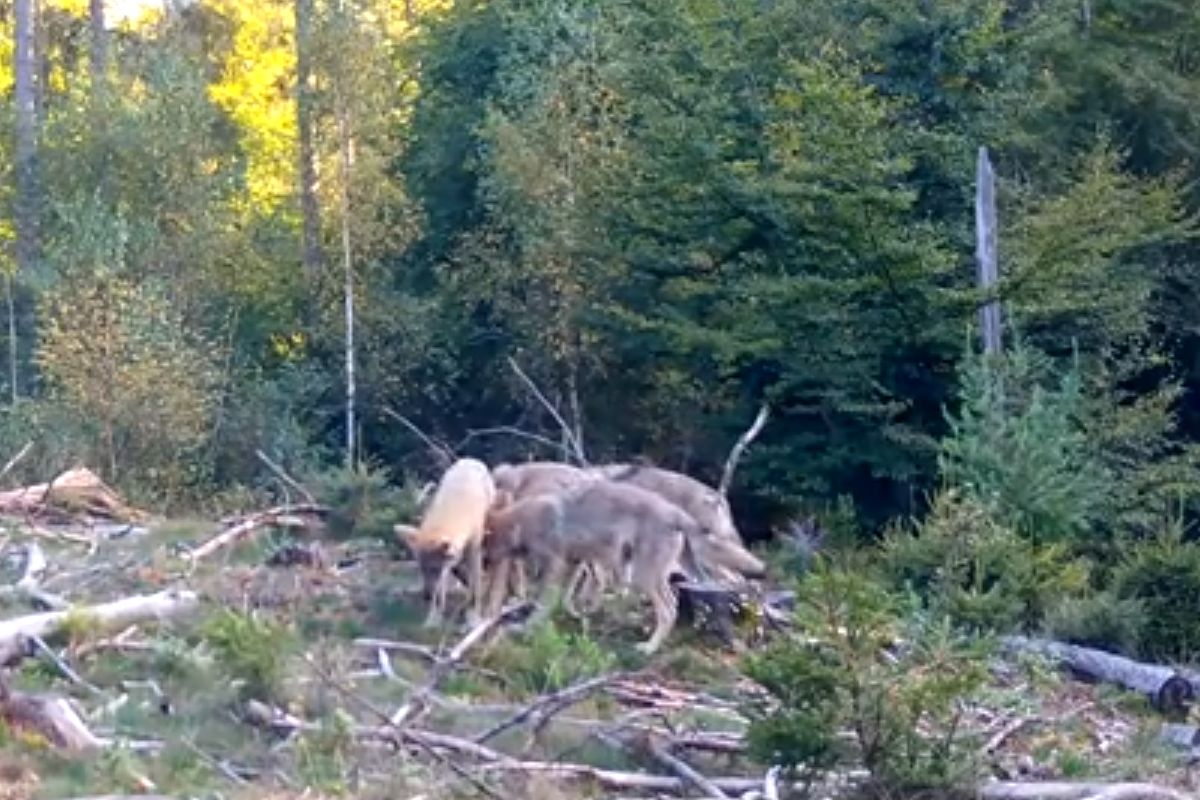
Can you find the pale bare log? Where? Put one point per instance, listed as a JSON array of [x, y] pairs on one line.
[[251, 524], [106, 616], [739, 447], [1060, 790]]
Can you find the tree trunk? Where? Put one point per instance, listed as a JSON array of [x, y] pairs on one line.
[[25, 96], [309, 208], [344, 146], [99, 45]]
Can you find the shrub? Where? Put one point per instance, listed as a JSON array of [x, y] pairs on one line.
[[903, 710], [547, 659], [119, 355], [251, 650], [1163, 574], [1100, 620], [977, 572], [362, 502], [1017, 446]]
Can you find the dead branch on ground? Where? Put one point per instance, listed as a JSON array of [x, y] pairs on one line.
[[686, 772], [116, 614], [75, 493], [739, 447], [549, 704], [418, 701], [249, 525], [52, 718]]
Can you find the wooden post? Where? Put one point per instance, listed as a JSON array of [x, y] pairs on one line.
[[985, 250]]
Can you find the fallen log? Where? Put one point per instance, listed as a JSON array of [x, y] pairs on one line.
[[1168, 691], [52, 718], [106, 616], [1059, 790], [240, 530]]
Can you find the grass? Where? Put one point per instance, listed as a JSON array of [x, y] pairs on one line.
[[271, 632]]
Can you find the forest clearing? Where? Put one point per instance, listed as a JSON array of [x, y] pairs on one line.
[[510, 399], [253, 657]]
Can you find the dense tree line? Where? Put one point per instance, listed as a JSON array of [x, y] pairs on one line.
[[666, 213]]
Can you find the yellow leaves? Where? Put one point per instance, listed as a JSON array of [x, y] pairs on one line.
[[288, 346], [255, 89]]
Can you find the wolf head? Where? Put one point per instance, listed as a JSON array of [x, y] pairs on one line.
[[431, 558]]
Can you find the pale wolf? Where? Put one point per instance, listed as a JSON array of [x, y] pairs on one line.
[[721, 554], [631, 532], [452, 528]]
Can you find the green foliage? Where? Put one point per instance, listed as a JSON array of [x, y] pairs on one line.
[[323, 756], [1099, 620], [547, 658], [119, 356], [252, 650], [1162, 573], [1016, 446], [977, 572], [361, 500], [903, 711]]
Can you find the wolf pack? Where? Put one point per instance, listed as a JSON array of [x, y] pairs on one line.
[[577, 533]]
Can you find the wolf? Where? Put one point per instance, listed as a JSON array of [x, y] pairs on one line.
[[535, 478], [452, 529], [721, 553], [629, 531]]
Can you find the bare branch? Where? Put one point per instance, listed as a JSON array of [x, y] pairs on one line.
[[441, 453], [740, 446], [576, 445], [509, 430], [283, 476], [12, 462], [418, 700], [249, 525], [549, 703], [686, 772]]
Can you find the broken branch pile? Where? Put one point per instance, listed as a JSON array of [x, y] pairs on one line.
[[75, 494]]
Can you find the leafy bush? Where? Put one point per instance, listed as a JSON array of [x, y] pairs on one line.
[[118, 353], [1163, 574], [903, 709], [362, 501], [547, 659], [1099, 620], [1017, 446], [251, 650], [976, 571]]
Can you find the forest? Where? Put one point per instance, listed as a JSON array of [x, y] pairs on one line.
[[270, 268]]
